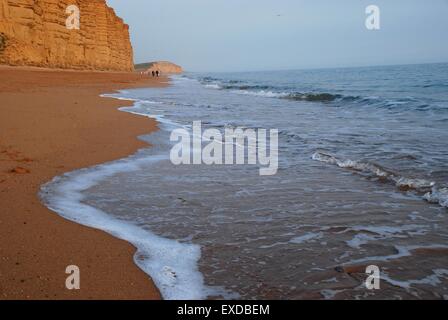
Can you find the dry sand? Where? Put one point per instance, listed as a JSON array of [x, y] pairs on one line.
[[51, 122]]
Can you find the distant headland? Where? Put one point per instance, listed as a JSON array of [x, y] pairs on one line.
[[161, 66]]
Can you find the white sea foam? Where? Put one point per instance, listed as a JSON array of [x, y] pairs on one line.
[[138, 103], [435, 195], [355, 165], [402, 251], [172, 265], [213, 86], [439, 196], [418, 184], [262, 93], [367, 234], [432, 280], [307, 237], [329, 294]]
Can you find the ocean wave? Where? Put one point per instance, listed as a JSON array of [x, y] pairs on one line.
[[295, 96], [268, 91], [403, 183], [262, 93], [428, 188], [273, 92], [295, 92], [438, 196], [318, 97], [213, 86], [435, 85], [209, 79], [246, 87]]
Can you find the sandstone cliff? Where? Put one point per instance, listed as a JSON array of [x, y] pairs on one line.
[[162, 66], [34, 32]]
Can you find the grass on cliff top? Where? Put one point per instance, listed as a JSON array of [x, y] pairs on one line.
[[146, 65]]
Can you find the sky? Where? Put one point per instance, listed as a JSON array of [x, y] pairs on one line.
[[252, 35]]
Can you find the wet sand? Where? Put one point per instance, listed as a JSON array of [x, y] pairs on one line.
[[51, 122]]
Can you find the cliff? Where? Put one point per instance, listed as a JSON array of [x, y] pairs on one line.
[[162, 66], [34, 32]]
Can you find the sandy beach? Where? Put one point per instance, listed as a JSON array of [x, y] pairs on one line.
[[223, 154], [51, 122]]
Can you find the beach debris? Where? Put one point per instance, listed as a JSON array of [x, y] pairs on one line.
[[20, 170]]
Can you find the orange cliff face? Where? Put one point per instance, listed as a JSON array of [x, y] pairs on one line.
[[34, 33]]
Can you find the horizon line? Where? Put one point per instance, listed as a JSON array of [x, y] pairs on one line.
[[319, 68]]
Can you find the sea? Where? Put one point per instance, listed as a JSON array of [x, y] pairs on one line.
[[362, 181]]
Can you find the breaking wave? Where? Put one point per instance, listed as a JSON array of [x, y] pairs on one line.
[[273, 92], [263, 91], [430, 191], [438, 196]]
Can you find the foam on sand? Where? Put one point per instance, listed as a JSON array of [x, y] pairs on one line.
[[171, 264]]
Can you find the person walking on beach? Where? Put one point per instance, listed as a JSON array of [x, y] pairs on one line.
[[153, 73]]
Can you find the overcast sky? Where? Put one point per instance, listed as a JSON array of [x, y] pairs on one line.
[[247, 35]]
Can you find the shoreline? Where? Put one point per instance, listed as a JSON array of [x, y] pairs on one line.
[[172, 265], [53, 122]]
